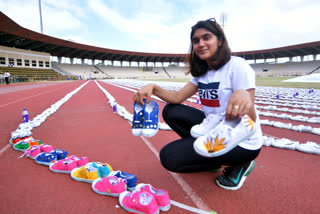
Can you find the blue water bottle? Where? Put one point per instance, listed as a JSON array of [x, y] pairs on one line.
[[114, 107], [25, 116]]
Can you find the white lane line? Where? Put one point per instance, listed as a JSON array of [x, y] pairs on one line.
[[5, 148], [191, 209]]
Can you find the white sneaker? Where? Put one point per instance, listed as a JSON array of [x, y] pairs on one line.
[[225, 137], [309, 147], [207, 125]]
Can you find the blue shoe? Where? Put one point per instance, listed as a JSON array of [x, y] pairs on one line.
[[131, 179], [151, 119], [103, 168], [46, 158], [61, 154], [138, 118]]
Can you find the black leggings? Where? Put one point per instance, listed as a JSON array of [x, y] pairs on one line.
[[179, 155]]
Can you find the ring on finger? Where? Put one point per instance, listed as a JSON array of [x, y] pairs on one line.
[[236, 106]]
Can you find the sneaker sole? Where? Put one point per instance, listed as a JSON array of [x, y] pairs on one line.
[[31, 157], [128, 209], [59, 171], [224, 151], [195, 135], [244, 177], [43, 163], [80, 179], [150, 135], [21, 150], [103, 193]]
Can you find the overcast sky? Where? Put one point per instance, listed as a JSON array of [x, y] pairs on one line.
[[163, 26]]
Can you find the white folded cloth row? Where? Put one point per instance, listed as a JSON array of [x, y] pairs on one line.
[[299, 128], [283, 143], [313, 107], [272, 105], [24, 129], [299, 118], [281, 90], [312, 104], [288, 96], [275, 108]]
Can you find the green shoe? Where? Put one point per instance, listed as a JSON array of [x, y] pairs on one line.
[[21, 146], [24, 145]]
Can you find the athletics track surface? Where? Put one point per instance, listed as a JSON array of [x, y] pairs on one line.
[[283, 181]]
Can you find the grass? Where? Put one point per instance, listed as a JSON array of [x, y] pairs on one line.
[[263, 81], [276, 82]]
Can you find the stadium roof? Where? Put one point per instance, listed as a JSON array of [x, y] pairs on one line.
[[13, 35]]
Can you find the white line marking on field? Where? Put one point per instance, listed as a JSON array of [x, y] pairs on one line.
[[191, 209], [4, 149]]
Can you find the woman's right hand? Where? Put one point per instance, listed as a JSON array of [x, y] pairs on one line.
[[144, 92]]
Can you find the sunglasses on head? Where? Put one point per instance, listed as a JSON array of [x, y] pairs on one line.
[[211, 20]]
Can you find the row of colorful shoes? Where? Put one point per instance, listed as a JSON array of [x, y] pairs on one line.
[[141, 198], [145, 119]]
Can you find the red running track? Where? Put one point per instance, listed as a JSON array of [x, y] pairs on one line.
[[283, 181]]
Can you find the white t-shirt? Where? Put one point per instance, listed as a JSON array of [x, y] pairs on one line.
[[216, 86], [6, 74]]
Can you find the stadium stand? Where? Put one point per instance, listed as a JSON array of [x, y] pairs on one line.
[[118, 72], [285, 69], [31, 74]]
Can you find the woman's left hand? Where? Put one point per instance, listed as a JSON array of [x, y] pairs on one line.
[[240, 103]]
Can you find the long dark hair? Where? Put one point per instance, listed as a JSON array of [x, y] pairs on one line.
[[199, 67]]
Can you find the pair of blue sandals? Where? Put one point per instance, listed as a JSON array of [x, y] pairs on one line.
[[145, 118]]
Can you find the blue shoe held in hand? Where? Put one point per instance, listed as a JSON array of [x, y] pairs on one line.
[[138, 119], [145, 119], [151, 119]]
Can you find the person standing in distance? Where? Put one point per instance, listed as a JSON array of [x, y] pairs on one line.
[[226, 85], [7, 77]]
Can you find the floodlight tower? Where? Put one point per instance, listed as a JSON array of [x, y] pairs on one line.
[[41, 26], [223, 19]]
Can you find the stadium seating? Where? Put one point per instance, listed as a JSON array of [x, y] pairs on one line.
[[125, 72], [285, 69], [31, 74]]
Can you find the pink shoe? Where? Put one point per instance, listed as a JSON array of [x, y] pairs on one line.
[[110, 185], [63, 166], [81, 161], [161, 195], [32, 152], [139, 202], [46, 148]]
